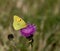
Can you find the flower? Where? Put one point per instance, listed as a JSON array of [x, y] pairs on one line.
[[28, 31]]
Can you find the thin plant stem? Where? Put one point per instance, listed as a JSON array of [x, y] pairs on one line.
[[31, 45]]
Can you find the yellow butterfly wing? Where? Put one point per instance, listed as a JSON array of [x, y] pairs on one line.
[[18, 23]]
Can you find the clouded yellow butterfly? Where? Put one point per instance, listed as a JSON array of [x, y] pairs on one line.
[[18, 23]]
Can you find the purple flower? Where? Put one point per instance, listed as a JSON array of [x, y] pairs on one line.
[[28, 31]]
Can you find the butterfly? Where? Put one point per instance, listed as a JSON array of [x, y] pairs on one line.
[[18, 23]]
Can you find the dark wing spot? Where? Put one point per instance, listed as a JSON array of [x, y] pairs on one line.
[[20, 19]]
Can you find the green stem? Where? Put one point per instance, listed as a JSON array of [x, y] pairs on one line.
[[31, 44]]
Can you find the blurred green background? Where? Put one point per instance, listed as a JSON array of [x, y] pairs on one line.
[[45, 14]]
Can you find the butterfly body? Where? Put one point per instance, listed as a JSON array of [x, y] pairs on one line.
[[18, 23]]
